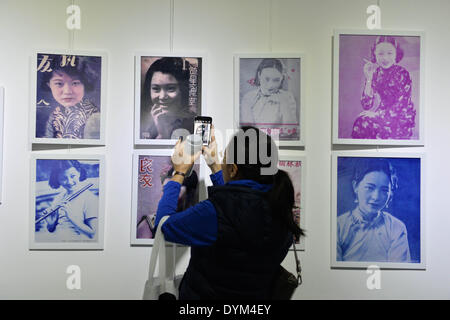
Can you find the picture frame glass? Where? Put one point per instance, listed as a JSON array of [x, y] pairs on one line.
[[269, 96], [377, 218], [67, 204], [151, 172], [378, 81], [168, 97]]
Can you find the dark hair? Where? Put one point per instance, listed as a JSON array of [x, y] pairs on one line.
[[59, 166], [269, 63], [79, 67], [177, 67], [389, 39], [368, 165], [282, 195]]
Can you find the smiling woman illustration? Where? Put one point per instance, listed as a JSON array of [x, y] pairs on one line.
[[386, 97], [70, 79], [368, 232]]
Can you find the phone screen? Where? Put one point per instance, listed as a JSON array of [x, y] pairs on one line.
[[202, 126]]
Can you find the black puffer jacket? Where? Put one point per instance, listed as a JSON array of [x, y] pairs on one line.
[[250, 246]]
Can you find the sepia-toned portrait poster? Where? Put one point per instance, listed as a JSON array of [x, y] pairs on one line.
[[151, 171], [67, 198], [168, 97], [68, 103], [377, 211], [378, 81], [269, 95]]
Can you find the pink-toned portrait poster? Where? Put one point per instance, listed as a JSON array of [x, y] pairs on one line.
[[153, 173], [379, 87], [294, 170]]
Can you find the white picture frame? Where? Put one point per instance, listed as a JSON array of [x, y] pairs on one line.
[[195, 61], [2, 111], [44, 104], [292, 161], [48, 188], [359, 244], [151, 168], [290, 93], [361, 120]]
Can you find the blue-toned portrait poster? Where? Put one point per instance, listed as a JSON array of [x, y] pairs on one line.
[[378, 209], [68, 96], [66, 201]]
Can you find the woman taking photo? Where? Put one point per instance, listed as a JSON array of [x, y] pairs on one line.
[[243, 231]]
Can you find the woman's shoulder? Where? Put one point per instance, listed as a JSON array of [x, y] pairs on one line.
[[187, 114], [392, 220], [398, 69], [344, 217], [88, 197], [251, 94], [89, 107], [344, 222], [286, 95]]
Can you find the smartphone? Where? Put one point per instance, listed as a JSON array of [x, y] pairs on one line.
[[202, 126]]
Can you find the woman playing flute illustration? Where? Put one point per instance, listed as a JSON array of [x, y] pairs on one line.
[[73, 213]]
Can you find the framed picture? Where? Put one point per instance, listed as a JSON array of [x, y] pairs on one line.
[[2, 97], [294, 165], [168, 95], [68, 97], [378, 93], [152, 169], [377, 210], [67, 202], [270, 95]]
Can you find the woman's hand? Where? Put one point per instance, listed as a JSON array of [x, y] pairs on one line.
[[210, 153], [53, 218], [58, 210], [182, 162], [163, 120], [369, 69], [55, 208], [369, 114]]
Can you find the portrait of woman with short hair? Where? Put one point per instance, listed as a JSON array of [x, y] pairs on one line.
[[68, 98]]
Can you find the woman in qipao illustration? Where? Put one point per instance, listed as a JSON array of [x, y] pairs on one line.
[[386, 98]]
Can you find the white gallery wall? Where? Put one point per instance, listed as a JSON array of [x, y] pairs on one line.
[[217, 29]]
